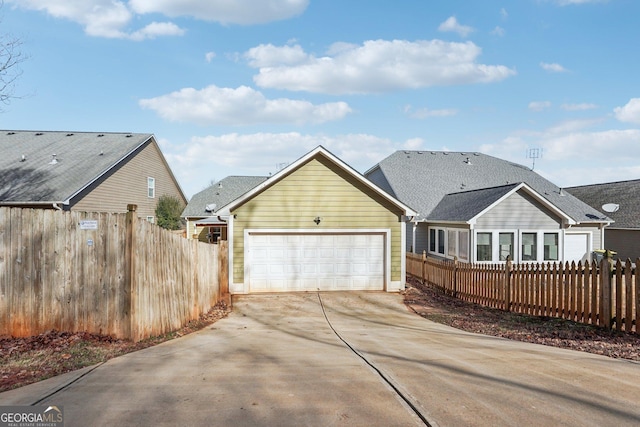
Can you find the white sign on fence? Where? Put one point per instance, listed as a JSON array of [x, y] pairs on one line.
[[88, 224]]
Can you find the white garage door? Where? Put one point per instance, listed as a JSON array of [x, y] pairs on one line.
[[308, 262], [576, 247]]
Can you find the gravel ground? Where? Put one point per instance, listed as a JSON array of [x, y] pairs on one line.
[[438, 307]]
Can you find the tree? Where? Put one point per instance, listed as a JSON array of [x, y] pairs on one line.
[[10, 58], [168, 211]]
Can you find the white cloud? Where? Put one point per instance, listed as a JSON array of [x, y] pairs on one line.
[[268, 55], [539, 105], [452, 25], [241, 106], [423, 113], [259, 153], [553, 68], [101, 18], [572, 2], [209, 56], [243, 12], [578, 107], [498, 31], [629, 113], [112, 18], [504, 14], [156, 29], [373, 67]]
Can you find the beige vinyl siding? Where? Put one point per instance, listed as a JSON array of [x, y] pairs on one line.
[[519, 211], [127, 184], [317, 188]]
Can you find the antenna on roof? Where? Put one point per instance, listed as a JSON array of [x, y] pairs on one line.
[[534, 153]]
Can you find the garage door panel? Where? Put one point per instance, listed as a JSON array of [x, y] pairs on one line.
[[307, 262]]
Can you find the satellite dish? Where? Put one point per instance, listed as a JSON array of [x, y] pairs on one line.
[[210, 208], [610, 207]]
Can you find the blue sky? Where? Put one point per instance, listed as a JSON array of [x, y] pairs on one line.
[[240, 87]]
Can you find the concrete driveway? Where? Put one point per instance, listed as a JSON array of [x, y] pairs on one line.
[[276, 360]]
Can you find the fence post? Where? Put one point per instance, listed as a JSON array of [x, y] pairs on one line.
[[223, 272], [423, 271], [507, 284], [605, 293], [130, 285], [455, 277]]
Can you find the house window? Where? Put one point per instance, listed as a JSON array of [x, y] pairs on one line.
[[551, 247], [529, 246], [441, 242], [452, 240], [505, 242], [463, 245], [151, 187], [432, 240], [483, 247], [151, 219]]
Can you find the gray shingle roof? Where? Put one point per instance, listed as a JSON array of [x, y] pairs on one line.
[[626, 194], [27, 173], [220, 194], [466, 205], [421, 179]]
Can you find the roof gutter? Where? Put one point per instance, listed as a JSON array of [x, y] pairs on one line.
[[46, 204]]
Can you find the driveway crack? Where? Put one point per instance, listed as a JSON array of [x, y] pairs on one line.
[[390, 383]]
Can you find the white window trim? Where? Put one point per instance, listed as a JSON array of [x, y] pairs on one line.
[[446, 242], [540, 246], [151, 187], [495, 244]]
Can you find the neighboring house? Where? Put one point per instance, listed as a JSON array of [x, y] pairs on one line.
[[316, 225], [201, 214], [84, 171], [478, 208], [623, 235]]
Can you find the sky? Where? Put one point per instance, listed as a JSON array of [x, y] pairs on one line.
[[244, 87]]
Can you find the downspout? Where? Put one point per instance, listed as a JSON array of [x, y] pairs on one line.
[[55, 206]]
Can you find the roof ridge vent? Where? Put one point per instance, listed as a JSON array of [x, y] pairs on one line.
[[69, 134], [11, 133], [38, 133]]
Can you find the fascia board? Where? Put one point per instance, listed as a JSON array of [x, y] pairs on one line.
[[304, 159], [533, 194]]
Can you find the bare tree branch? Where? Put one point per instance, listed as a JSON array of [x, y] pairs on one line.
[[10, 58]]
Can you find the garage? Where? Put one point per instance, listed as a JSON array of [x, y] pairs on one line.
[[576, 247], [298, 261]]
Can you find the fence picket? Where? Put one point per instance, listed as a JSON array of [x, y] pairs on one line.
[[55, 275], [582, 292]]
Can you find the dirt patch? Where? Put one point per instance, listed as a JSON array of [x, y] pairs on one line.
[[27, 360], [438, 307]]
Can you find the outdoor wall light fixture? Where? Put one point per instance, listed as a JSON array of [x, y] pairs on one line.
[[317, 220]]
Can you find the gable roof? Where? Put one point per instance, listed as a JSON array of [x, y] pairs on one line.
[[423, 178], [220, 194], [467, 206], [626, 194], [30, 175], [317, 152]]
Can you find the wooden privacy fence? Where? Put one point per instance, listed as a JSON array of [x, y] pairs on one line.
[[583, 292], [102, 273]]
